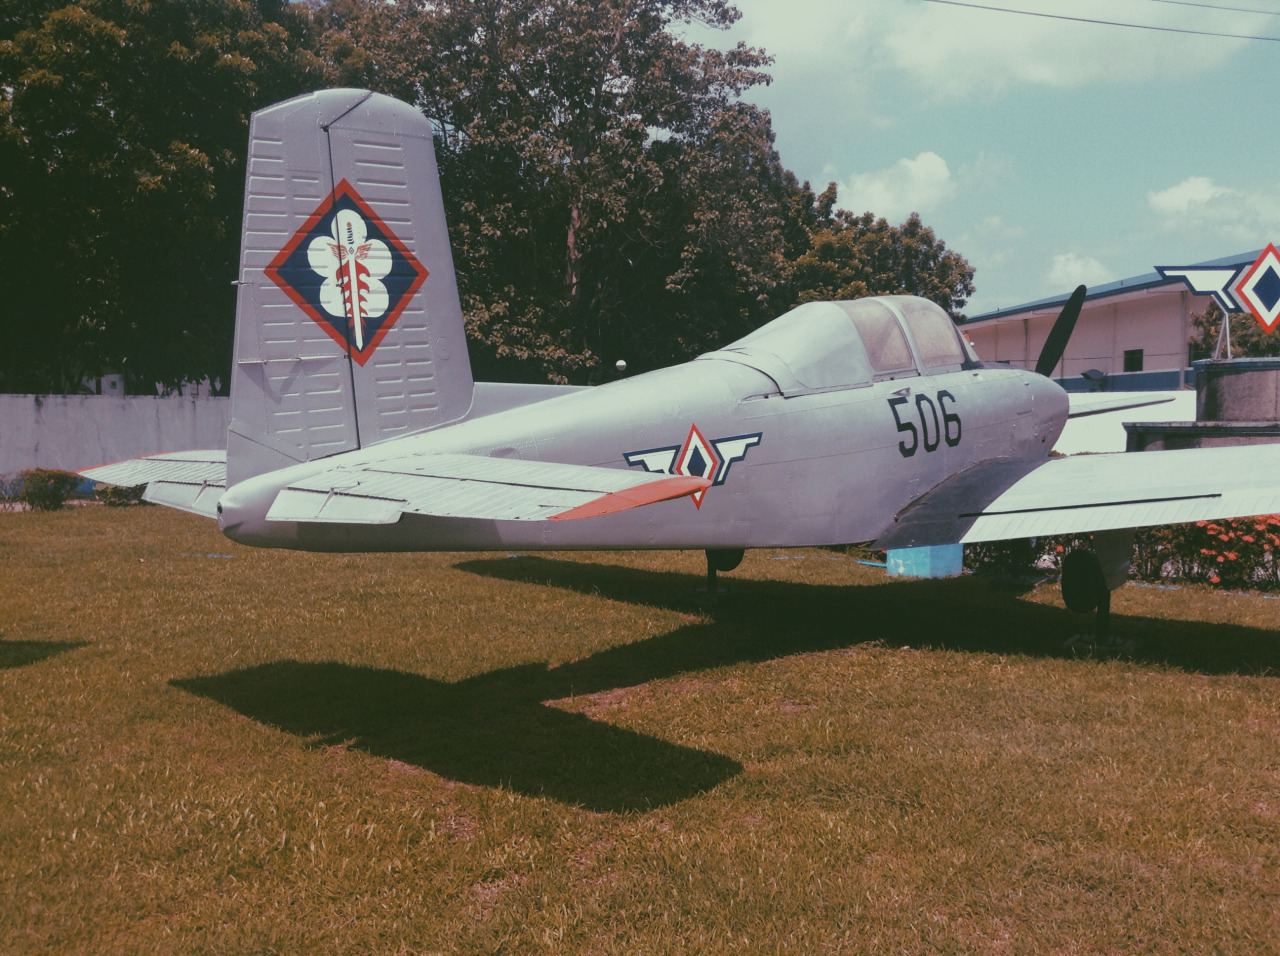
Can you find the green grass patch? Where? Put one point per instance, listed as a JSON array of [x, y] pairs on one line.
[[208, 748]]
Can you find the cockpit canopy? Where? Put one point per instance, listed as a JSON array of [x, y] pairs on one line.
[[826, 345]]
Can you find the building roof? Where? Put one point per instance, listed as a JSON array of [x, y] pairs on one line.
[[1135, 284]]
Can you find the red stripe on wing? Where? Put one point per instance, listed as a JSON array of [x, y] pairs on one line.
[[677, 486]]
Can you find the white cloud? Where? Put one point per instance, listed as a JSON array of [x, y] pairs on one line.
[[1201, 204], [954, 52], [1069, 270], [909, 185], [1192, 191], [987, 173], [990, 243]]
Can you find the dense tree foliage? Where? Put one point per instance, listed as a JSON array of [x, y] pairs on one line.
[[122, 131], [850, 256], [1248, 338], [610, 192]]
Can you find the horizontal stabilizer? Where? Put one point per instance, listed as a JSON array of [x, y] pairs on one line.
[[471, 486], [998, 501], [187, 480]]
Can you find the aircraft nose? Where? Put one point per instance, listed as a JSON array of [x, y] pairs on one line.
[[1051, 407]]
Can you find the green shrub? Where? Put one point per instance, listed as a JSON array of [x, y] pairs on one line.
[[1022, 555], [46, 489], [115, 496]]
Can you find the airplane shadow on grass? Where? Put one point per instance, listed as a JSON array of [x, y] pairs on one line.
[[758, 620], [22, 653], [492, 730], [495, 729]]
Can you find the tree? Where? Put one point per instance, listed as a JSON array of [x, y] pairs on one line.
[[122, 131], [585, 151], [609, 193], [849, 255], [1248, 338]]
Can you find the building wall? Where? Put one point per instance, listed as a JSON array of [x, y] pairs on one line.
[[78, 431], [1157, 321]]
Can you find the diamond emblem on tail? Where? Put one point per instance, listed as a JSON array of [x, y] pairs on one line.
[[349, 272]]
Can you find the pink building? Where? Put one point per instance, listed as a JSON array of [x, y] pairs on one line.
[[1133, 331]]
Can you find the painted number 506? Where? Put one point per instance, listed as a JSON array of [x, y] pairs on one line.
[[938, 423]]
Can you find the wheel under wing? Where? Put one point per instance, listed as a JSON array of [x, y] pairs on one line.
[[1003, 499]]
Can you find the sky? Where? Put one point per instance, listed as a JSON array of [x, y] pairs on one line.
[[1046, 152]]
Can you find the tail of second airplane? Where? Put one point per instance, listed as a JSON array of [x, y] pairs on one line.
[[348, 324]]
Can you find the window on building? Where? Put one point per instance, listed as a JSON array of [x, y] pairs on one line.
[[1133, 360]]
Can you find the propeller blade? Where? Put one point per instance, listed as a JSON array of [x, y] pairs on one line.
[[1056, 343]]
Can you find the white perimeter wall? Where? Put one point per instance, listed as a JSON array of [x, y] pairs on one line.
[[78, 431]]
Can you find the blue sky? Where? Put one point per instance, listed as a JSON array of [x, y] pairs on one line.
[[1046, 152]]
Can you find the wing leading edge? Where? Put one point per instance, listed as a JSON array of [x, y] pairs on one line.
[[1004, 499]]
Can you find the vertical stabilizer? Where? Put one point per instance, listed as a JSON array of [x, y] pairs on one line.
[[348, 325]]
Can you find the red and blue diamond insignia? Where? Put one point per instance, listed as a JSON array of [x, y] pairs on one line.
[[1254, 287], [349, 272], [697, 457], [1259, 288]]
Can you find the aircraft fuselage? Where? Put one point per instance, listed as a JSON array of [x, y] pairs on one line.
[[822, 467]]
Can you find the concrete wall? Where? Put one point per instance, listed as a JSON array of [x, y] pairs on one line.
[[78, 431]]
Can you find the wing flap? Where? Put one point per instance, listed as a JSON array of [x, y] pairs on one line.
[[189, 481], [471, 486], [1093, 493]]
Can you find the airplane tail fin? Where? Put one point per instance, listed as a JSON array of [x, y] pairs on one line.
[[348, 325]]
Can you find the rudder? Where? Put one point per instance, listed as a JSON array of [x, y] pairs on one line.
[[348, 325]]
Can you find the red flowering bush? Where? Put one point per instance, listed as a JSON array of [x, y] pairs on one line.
[[1239, 553], [1168, 552]]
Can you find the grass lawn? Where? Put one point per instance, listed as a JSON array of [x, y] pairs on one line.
[[207, 748]]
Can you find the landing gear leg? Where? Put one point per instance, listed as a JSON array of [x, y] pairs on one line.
[[1084, 589], [1102, 628], [720, 559]]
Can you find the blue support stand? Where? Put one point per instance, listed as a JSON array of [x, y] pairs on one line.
[[941, 561]]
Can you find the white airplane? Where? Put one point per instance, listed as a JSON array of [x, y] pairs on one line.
[[356, 425]]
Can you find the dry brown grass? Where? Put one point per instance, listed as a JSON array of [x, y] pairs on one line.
[[209, 748]]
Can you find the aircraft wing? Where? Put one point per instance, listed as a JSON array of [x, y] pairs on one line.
[[472, 486], [1097, 403], [1004, 499], [188, 480]]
